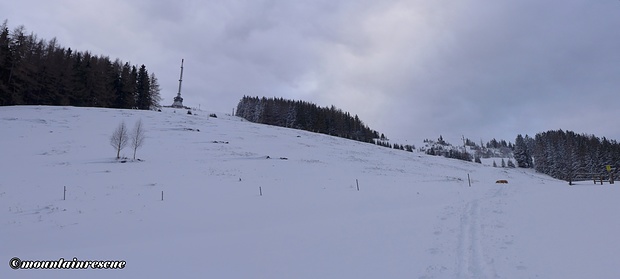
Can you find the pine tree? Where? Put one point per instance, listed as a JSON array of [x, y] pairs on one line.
[[125, 88], [441, 141], [5, 62], [19, 76], [143, 89], [155, 92], [521, 153]]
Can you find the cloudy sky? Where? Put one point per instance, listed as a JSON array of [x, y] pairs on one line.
[[412, 69]]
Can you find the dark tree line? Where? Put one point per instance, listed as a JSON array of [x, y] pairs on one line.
[[499, 144], [34, 71], [305, 116], [561, 154], [450, 152], [405, 147]]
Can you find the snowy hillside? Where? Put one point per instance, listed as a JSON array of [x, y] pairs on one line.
[[414, 216]]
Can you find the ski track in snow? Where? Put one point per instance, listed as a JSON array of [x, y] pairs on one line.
[[471, 259], [470, 256], [473, 217]]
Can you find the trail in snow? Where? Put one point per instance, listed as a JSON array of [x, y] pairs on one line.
[[476, 224], [471, 262]]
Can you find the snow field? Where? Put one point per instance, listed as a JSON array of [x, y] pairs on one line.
[[414, 217]]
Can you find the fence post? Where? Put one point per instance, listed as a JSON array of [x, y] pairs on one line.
[[358, 184]]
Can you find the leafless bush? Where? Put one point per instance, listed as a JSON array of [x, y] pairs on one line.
[[119, 139], [137, 137]]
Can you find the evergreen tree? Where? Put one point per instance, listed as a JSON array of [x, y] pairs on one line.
[[522, 153], [5, 62], [125, 88], [155, 92], [132, 86], [441, 141], [18, 73], [143, 88], [78, 95], [478, 160]]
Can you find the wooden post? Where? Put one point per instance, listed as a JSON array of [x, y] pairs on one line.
[[468, 180], [260, 190], [601, 180], [162, 195], [611, 178], [358, 184], [64, 193]]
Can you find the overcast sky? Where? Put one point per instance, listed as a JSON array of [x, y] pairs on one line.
[[411, 69]]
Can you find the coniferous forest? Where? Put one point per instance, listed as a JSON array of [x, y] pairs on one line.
[[35, 71], [562, 154], [305, 116]]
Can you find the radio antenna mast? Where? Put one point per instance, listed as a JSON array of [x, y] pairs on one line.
[[178, 100]]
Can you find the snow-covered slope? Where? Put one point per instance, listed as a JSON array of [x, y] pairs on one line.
[[414, 216]]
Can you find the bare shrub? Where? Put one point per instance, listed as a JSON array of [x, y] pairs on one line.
[[119, 139], [137, 137]]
